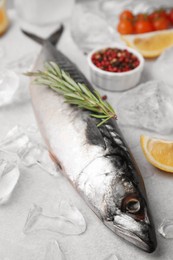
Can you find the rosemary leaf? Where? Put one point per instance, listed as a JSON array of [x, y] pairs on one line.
[[98, 116], [57, 69], [74, 93], [74, 96]]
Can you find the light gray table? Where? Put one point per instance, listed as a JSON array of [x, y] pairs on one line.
[[36, 186]]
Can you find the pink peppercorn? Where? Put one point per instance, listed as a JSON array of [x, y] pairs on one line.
[[104, 97], [115, 60]]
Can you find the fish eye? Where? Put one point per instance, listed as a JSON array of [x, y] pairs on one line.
[[133, 206]]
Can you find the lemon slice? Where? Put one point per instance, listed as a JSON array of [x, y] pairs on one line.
[[152, 44], [3, 17], [158, 152]]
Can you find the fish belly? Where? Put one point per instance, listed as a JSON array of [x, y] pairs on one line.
[[63, 128]]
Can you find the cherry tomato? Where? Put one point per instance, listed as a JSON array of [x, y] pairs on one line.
[[160, 23], [126, 15], [163, 13], [170, 15], [125, 27], [157, 14], [141, 17], [143, 26]]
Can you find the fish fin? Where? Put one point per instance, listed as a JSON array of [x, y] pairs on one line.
[[53, 38], [33, 37]]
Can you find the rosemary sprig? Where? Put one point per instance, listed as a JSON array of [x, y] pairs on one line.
[[74, 93]]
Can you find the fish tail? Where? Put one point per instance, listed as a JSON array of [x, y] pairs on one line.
[[53, 38]]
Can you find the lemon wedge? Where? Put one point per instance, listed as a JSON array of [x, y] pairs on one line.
[[152, 44], [158, 152], [4, 22]]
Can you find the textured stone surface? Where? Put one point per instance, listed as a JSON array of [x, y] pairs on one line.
[[35, 186]]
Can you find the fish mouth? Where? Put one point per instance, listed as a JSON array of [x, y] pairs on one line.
[[144, 237]]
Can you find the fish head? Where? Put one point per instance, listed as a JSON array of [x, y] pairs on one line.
[[129, 216]]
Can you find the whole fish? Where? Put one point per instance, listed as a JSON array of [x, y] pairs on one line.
[[96, 160]]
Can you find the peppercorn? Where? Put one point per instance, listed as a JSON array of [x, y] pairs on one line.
[[104, 97], [115, 60]]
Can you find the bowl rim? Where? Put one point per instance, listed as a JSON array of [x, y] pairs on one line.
[[112, 74]]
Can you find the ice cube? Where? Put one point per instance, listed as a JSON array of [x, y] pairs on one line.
[[32, 130], [93, 29], [163, 67], [112, 257], [73, 215], [166, 229], [46, 163], [148, 106], [13, 84], [36, 154], [54, 252], [68, 220], [15, 141], [9, 83], [29, 153], [9, 176]]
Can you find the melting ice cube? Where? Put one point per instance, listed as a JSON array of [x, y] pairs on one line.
[[112, 257], [92, 22], [149, 106], [54, 252], [29, 153], [163, 67], [9, 176], [166, 228], [13, 84], [9, 83], [15, 141], [36, 154], [73, 215], [67, 221]]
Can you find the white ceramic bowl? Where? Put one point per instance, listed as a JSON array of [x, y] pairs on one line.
[[116, 81]]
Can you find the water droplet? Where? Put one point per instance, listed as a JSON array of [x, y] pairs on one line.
[[166, 229]]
